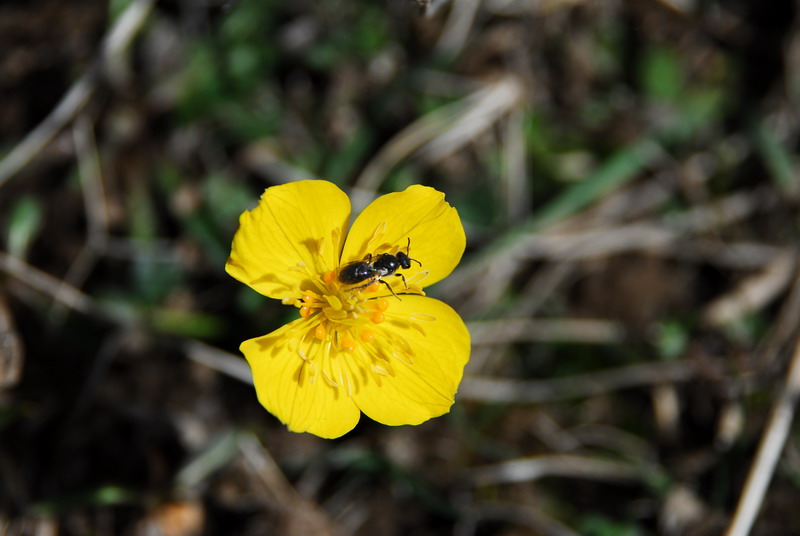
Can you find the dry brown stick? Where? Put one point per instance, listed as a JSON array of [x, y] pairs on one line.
[[117, 40], [47, 284], [301, 516], [769, 452], [563, 465], [502, 390], [525, 516], [219, 360], [509, 330]]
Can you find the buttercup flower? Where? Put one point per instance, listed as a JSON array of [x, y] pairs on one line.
[[368, 339]]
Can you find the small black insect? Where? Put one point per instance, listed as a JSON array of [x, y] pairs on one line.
[[367, 271]]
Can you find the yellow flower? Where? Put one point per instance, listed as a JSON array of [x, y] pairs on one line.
[[398, 356]]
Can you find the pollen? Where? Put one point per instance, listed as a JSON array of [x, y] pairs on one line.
[[377, 317], [366, 335], [347, 343], [320, 332]]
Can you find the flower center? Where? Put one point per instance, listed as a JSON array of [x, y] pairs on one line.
[[342, 319], [344, 315]]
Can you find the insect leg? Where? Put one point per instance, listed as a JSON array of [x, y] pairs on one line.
[[390, 288]]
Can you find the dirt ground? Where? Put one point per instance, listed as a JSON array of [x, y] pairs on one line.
[[627, 175]]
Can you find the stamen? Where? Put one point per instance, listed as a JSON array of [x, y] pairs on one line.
[[329, 277], [334, 302], [320, 331], [403, 359], [377, 236], [419, 328], [327, 379], [335, 314], [347, 343], [416, 278], [377, 369], [302, 355], [381, 304], [377, 317], [312, 372], [373, 287], [321, 246], [366, 335], [305, 311]]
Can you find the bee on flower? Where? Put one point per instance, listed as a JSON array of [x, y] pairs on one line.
[[368, 339]]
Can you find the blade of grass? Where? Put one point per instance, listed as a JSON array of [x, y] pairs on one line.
[[776, 158]]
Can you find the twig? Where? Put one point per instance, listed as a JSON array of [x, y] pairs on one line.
[[515, 169], [219, 360], [510, 330], [116, 41], [769, 451], [753, 292], [301, 516], [459, 23], [578, 386], [563, 465], [442, 131], [47, 284], [525, 516]]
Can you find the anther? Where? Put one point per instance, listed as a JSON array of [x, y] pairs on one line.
[[366, 335], [377, 317], [320, 332], [347, 343], [305, 312]]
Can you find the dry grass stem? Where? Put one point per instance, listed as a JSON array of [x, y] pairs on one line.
[[753, 292], [118, 39], [558, 465], [515, 169], [45, 283], [510, 330], [442, 131], [524, 516], [301, 516], [577, 386], [12, 353], [769, 451], [457, 27], [219, 360]]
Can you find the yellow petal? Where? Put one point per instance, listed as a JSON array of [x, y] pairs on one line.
[[423, 366], [288, 387], [419, 213], [293, 236]]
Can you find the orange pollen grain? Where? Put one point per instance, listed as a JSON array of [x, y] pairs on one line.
[[373, 287], [377, 317], [305, 312], [329, 277], [320, 332], [347, 342], [366, 335], [381, 304]]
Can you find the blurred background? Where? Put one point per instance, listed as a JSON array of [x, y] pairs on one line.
[[627, 174]]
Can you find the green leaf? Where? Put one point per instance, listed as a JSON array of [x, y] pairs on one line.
[[662, 74], [24, 223]]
